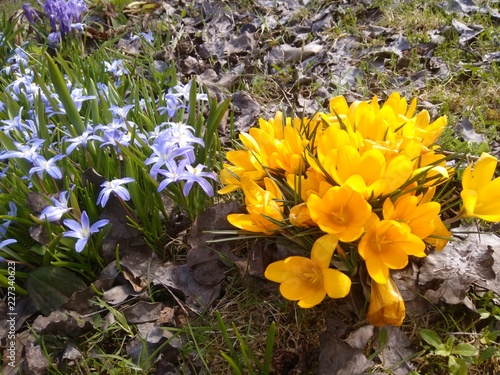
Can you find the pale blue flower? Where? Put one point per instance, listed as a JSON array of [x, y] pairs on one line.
[[42, 165], [5, 225], [172, 105], [114, 186], [82, 230], [60, 207], [116, 68], [79, 98], [173, 173], [28, 152], [6, 243], [164, 153], [80, 140], [120, 113], [196, 174]]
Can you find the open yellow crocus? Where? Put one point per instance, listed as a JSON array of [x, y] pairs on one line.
[[419, 216], [341, 211], [481, 193], [386, 245], [309, 280]]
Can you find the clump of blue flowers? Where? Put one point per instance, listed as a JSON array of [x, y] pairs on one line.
[[65, 18], [154, 149]]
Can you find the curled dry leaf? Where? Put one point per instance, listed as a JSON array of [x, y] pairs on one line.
[[143, 312], [61, 322], [449, 274]]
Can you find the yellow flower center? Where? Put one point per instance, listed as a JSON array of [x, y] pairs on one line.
[[338, 216], [314, 275]]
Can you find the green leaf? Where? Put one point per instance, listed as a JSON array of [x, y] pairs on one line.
[[231, 363], [271, 334], [77, 127], [50, 287], [5, 282], [487, 354], [430, 337], [465, 349], [457, 366], [442, 350]]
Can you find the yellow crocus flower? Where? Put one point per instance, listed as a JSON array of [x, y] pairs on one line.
[[386, 304], [386, 245], [420, 217], [261, 204], [300, 217], [481, 193], [341, 211], [309, 280]]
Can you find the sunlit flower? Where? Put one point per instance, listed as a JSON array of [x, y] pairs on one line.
[[440, 236], [341, 211], [310, 183], [196, 174], [59, 208], [428, 131], [386, 304], [114, 186], [247, 163], [419, 217], [481, 193], [82, 230], [368, 173], [386, 245], [263, 207], [41, 165], [300, 217], [310, 280], [116, 68]]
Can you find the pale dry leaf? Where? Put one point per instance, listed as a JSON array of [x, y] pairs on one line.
[[447, 275], [396, 351]]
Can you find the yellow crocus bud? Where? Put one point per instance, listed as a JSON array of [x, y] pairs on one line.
[[299, 216], [386, 305]]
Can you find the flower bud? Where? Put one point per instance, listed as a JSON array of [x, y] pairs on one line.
[[386, 305]]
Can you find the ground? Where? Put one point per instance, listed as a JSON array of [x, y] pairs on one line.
[[179, 317]]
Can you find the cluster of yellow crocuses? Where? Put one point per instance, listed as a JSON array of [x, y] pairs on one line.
[[364, 175]]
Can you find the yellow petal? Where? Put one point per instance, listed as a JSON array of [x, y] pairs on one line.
[[377, 270], [469, 199], [297, 288], [347, 163], [386, 305], [388, 209], [313, 298], [272, 187], [357, 183], [276, 272], [249, 142], [336, 284], [241, 158], [440, 230], [323, 250], [395, 259], [487, 206], [373, 165], [228, 189], [351, 234], [245, 222], [397, 173], [482, 173], [299, 265]]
